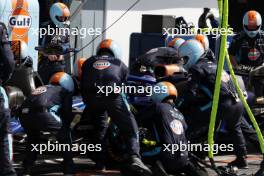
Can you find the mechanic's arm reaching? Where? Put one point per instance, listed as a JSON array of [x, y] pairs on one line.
[[53, 41], [52, 58], [189, 96], [6, 54], [233, 51]]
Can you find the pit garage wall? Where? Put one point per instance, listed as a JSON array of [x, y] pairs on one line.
[[131, 22], [88, 14]]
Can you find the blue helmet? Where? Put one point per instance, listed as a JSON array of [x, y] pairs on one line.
[[190, 51], [64, 80], [176, 43], [203, 39], [111, 47], [163, 90]]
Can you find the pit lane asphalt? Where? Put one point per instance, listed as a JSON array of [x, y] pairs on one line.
[[50, 165]]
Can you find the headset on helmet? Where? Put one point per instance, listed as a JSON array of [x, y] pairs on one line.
[[59, 14], [64, 80], [190, 51], [111, 47], [176, 43], [166, 90], [203, 39], [252, 23]]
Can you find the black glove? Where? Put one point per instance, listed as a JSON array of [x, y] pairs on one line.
[[3, 34]]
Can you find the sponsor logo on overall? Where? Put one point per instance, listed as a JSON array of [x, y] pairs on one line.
[[177, 127], [253, 54], [101, 65], [39, 90], [20, 21]]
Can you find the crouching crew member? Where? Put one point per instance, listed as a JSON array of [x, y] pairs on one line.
[[166, 121], [49, 108], [203, 76]]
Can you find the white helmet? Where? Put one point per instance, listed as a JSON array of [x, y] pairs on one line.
[[59, 14], [252, 23]]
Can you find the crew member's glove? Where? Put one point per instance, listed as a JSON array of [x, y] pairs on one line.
[[3, 34]]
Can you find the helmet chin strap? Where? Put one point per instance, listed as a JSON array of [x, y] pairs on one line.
[[106, 55], [252, 34], [67, 23]]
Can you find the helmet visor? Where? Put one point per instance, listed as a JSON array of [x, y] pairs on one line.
[[62, 18], [250, 28], [185, 60]]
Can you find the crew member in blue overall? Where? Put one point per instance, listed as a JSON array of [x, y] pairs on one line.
[[50, 64], [7, 65], [203, 76], [107, 70], [49, 108], [247, 47], [164, 120]]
